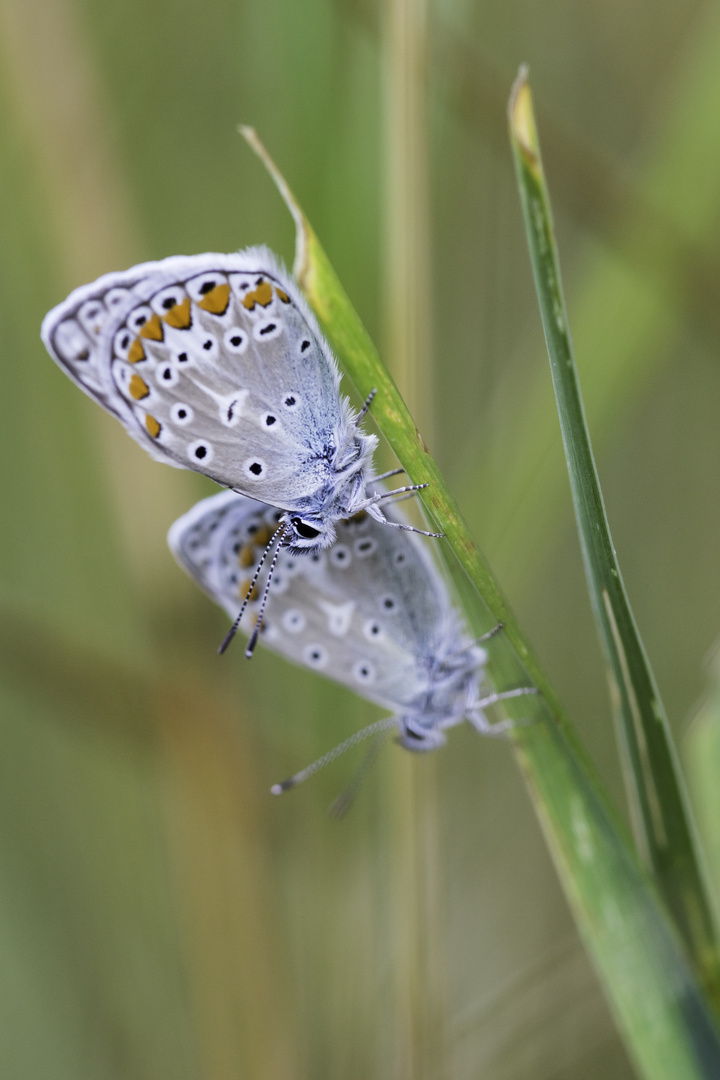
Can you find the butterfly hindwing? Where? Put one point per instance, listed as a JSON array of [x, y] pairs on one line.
[[372, 612]]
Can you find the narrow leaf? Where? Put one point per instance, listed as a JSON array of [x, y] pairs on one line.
[[661, 816]]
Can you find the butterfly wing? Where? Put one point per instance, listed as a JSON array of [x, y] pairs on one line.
[[214, 363], [372, 612]]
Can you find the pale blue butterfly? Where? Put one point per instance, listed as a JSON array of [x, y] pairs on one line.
[[216, 363], [373, 613]]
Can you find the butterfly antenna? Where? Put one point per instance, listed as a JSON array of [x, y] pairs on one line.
[[379, 726], [234, 628], [250, 647], [358, 421], [363, 412], [346, 798]]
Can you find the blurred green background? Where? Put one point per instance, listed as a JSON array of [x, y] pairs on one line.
[[160, 914]]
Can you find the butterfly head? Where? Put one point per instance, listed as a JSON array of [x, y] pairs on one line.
[[308, 534], [417, 735]]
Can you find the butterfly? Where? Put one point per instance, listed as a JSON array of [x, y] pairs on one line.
[[215, 363], [373, 612]]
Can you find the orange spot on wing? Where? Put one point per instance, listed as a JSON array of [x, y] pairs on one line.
[[179, 316], [137, 352], [246, 558], [262, 295], [154, 426], [282, 295], [217, 300], [138, 388], [262, 536], [153, 329]]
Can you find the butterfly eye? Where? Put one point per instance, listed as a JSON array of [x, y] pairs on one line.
[[307, 532]]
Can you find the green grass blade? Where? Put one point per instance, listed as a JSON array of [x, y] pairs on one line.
[[360, 359], [652, 988], [660, 810]]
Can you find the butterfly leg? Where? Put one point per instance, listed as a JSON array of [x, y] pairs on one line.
[[385, 475], [480, 722], [411, 528], [399, 491], [404, 492]]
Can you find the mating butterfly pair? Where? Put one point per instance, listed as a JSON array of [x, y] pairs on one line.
[[215, 363]]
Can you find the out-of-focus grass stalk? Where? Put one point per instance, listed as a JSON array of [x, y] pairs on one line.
[[242, 1020], [57, 94], [662, 820], [407, 312], [656, 1000], [407, 320], [702, 753]]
